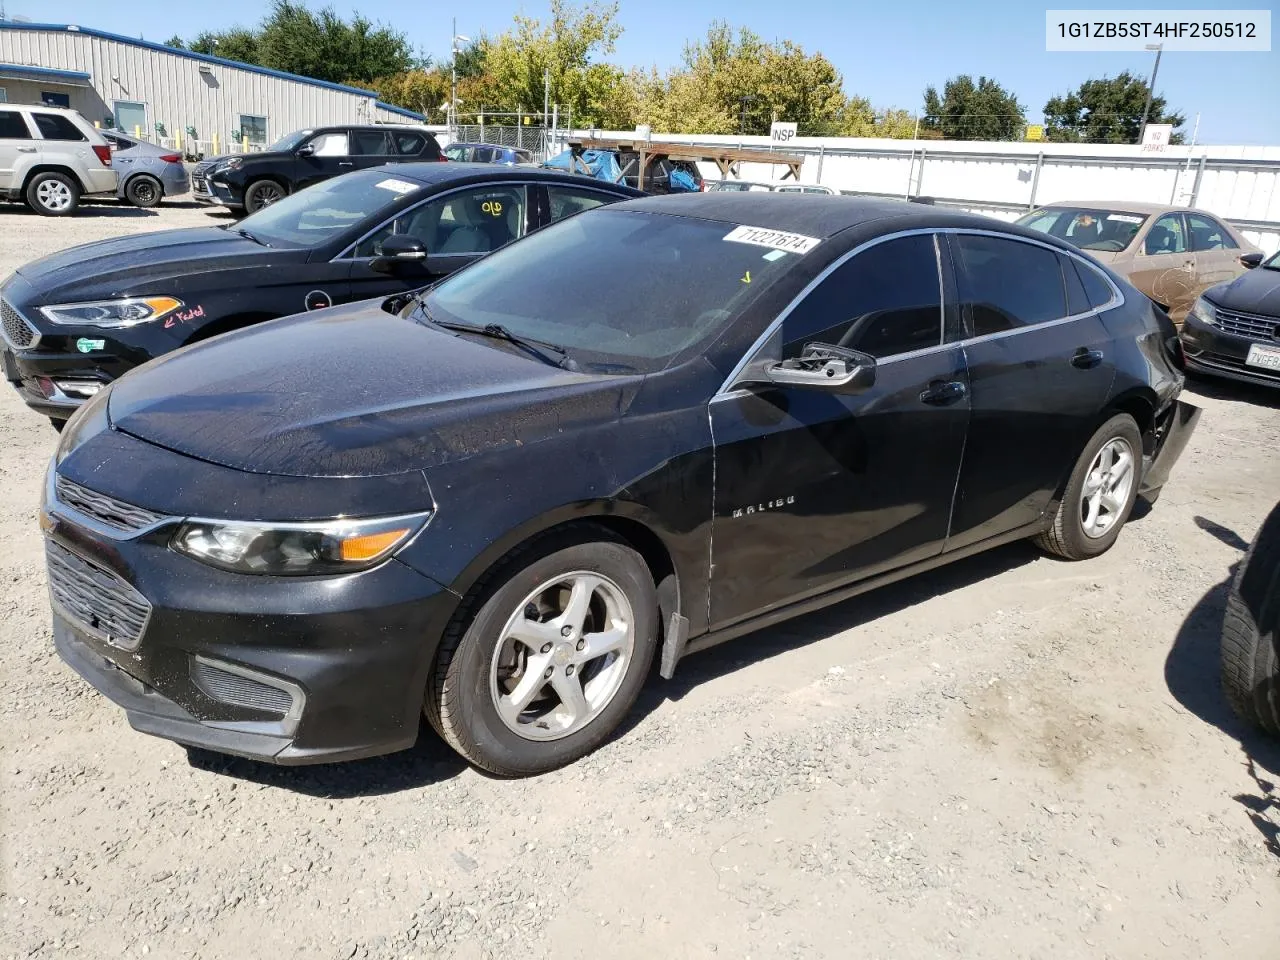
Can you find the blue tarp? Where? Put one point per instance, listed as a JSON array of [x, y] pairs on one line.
[[602, 164]]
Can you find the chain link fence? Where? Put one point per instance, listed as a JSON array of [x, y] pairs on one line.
[[524, 136]]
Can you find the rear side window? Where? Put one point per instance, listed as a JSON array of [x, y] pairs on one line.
[[566, 201], [118, 145], [12, 126], [409, 144], [1007, 284], [1077, 298], [1095, 285], [369, 143], [57, 126], [1208, 234], [884, 301]]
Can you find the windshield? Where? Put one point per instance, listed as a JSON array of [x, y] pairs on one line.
[[1087, 228], [321, 212], [614, 288], [289, 142]]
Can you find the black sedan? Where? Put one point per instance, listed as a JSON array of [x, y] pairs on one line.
[[75, 321], [1233, 329], [635, 434]]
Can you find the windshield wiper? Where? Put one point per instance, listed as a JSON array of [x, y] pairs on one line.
[[249, 236], [497, 331]]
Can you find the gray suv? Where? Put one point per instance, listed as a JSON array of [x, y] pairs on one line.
[[50, 157]]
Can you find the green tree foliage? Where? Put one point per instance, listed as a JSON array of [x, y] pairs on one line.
[[176, 42], [424, 91], [973, 111], [1106, 111]]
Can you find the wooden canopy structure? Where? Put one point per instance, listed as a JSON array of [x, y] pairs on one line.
[[726, 158]]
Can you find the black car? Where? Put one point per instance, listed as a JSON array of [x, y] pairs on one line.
[[634, 434], [1250, 643], [250, 181], [76, 320], [1233, 329]]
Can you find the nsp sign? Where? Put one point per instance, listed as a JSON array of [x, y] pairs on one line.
[[782, 132]]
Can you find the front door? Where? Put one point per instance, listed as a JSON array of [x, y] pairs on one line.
[[456, 228], [1164, 267], [815, 489], [1040, 363], [323, 156]]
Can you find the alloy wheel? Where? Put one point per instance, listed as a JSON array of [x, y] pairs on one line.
[[1106, 488], [53, 195]]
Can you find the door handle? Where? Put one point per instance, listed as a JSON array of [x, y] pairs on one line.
[[345, 163], [943, 392], [1085, 359], [26, 149]]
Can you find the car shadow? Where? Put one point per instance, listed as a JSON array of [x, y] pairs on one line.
[[101, 209], [1192, 673], [1220, 388]]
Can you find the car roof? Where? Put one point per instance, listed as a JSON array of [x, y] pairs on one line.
[[429, 173], [481, 143], [812, 214], [1119, 206]]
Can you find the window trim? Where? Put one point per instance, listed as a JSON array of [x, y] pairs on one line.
[[425, 200], [727, 388]]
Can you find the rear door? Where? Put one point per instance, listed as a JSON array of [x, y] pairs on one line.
[[330, 155], [816, 489], [1164, 266], [1217, 254], [15, 141], [371, 148], [1041, 365]]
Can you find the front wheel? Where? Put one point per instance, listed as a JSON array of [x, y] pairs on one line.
[[144, 191], [261, 193], [553, 658], [1099, 494]]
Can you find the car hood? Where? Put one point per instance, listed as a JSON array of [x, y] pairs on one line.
[[117, 267], [353, 392], [1255, 291]]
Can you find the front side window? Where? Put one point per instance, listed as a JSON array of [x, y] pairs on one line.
[[330, 145], [467, 222], [566, 201], [1005, 284], [1166, 236], [1089, 228], [369, 143], [57, 126], [1209, 234], [619, 288], [322, 212], [254, 129], [13, 126], [883, 301]]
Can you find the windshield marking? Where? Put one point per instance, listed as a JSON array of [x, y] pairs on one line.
[[396, 186], [774, 239]]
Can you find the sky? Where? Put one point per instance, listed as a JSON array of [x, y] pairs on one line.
[[888, 51]]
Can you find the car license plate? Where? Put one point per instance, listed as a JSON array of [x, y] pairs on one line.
[[1263, 356], [11, 368]]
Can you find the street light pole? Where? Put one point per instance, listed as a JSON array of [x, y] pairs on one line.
[[453, 69], [1146, 109]]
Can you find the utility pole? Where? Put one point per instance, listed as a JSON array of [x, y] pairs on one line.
[[1146, 109], [546, 95], [453, 69]]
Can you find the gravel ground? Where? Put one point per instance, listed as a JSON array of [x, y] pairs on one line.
[[1009, 757]]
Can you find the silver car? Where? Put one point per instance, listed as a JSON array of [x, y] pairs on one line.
[[148, 173]]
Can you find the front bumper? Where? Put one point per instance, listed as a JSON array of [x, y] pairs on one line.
[[1212, 351], [288, 670]]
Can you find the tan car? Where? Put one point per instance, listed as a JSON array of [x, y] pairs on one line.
[[1172, 254]]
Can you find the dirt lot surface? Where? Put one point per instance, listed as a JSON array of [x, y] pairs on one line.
[[1010, 757]]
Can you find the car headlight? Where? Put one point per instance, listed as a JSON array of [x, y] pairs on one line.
[[1204, 311], [231, 163], [296, 549], [111, 314]]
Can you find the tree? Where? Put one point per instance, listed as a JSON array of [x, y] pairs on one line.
[[424, 91], [973, 111], [1106, 111], [176, 42], [470, 60], [237, 44]]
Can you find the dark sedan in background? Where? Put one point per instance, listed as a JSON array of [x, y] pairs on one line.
[[634, 434], [75, 321], [1233, 329]]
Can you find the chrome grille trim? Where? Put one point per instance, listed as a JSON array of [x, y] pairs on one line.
[[17, 330], [107, 511], [99, 602], [1247, 325]]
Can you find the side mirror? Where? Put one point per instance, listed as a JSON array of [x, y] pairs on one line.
[[399, 251], [1250, 260], [821, 366], [306, 150]]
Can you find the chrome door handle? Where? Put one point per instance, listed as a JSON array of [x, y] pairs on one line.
[[942, 392], [1086, 359]]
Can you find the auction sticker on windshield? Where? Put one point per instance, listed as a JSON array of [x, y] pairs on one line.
[[1124, 217], [397, 186], [773, 239]]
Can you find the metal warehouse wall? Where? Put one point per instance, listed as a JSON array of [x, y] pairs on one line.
[[175, 91], [1241, 184]]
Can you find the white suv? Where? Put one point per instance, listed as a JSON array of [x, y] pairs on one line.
[[50, 157]]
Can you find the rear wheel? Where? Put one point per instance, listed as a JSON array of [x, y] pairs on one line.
[[144, 191], [1099, 494], [552, 660], [1250, 667], [53, 194], [261, 193]]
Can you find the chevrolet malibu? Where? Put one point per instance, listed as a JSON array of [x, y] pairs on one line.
[[632, 435]]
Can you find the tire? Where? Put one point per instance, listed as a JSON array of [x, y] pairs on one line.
[[261, 193], [1070, 535], [481, 665], [1250, 629], [144, 191], [52, 194]]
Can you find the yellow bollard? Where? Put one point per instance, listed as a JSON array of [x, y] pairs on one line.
[[216, 150], [177, 140], [137, 132], [244, 144]]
